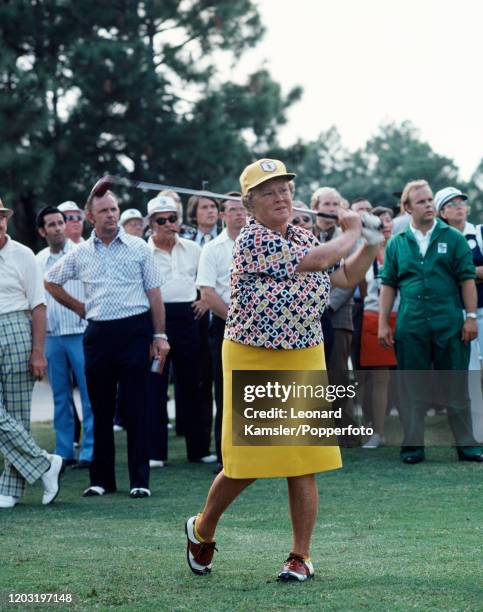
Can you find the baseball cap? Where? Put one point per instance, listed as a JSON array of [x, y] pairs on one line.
[[4, 209], [443, 196], [263, 170], [68, 206], [130, 213], [162, 204]]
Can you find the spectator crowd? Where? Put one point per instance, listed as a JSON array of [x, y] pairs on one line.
[[136, 312]]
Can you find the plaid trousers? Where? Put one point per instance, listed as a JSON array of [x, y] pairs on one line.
[[24, 460]]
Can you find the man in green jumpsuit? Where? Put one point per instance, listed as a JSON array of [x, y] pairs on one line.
[[431, 265]]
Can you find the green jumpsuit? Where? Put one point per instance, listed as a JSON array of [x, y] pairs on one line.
[[429, 323]]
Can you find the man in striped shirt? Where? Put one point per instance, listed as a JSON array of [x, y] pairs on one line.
[[63, 347], [126, 324]]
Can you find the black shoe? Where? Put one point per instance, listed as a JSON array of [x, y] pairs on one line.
[[412, 459], [94, 491], [475, 455], [412, 454], [139, 492], [82, 465], [70, 462]]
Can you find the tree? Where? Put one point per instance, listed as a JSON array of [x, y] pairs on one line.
[[391, 158], [92, 84]]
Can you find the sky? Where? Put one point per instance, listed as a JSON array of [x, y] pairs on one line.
[[365, 62]]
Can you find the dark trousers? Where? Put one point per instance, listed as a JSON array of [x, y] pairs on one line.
[[158, 417], [328, 332], [419, 350], [205, 393], [217, 330], [183, 333], [357, 317], [338, 367], [117, 352]]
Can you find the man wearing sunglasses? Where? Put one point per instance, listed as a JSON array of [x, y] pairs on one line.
[[74, 221], [301, 219], [74, 227], [177, 260]]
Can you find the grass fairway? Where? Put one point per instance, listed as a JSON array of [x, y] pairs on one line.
[[389, 537]]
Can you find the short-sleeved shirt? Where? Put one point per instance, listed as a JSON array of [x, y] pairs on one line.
[[215, 263], [273, 305], [21, 283], [115, 277], [178, 270], [61, 321]]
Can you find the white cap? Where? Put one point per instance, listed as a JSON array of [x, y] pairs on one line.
[[130, 213], [443, 196], [162, 204], [69, 205]]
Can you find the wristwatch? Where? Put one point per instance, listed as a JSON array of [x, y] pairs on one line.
[[162, 336], [471, 315]]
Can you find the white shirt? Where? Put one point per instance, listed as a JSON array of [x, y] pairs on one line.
[[422, 239], [21, 282], [215, 262], [178, 270], [60, 320]]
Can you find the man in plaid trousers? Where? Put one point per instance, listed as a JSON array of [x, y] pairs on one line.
[[22, 360]]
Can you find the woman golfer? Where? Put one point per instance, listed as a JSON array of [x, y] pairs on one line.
[[284, 264]]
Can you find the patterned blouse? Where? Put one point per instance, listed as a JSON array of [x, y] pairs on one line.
[[273, 305]]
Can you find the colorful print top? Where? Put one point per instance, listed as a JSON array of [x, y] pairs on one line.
[[272, 305]]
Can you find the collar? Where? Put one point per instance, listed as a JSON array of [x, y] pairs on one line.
[[417, 232], [177, 242], [213, 232], [6, 247], [223, 236], [469, 228], [254, 221], [121, 235]]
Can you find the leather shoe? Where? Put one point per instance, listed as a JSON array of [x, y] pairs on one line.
[[94, 491], [139, 492], [412, 459], [476, 455], [51, 479], [8, 501], [412, 454]]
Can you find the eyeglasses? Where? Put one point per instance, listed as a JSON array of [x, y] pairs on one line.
[[454, 203], [163, 220], [297, 220], [73, 217]]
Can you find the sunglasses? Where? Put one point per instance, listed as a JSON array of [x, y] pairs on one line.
[[74, 217], [297, 220], [455, 203], [163, 220]]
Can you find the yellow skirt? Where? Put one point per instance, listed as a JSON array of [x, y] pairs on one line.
[[270, 461]]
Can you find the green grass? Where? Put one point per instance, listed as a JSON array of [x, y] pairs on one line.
[[389, 537]]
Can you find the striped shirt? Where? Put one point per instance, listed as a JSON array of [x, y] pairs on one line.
[[115, 276], [61, 321]]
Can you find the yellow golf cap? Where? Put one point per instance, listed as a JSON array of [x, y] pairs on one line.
[[263, 170]]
